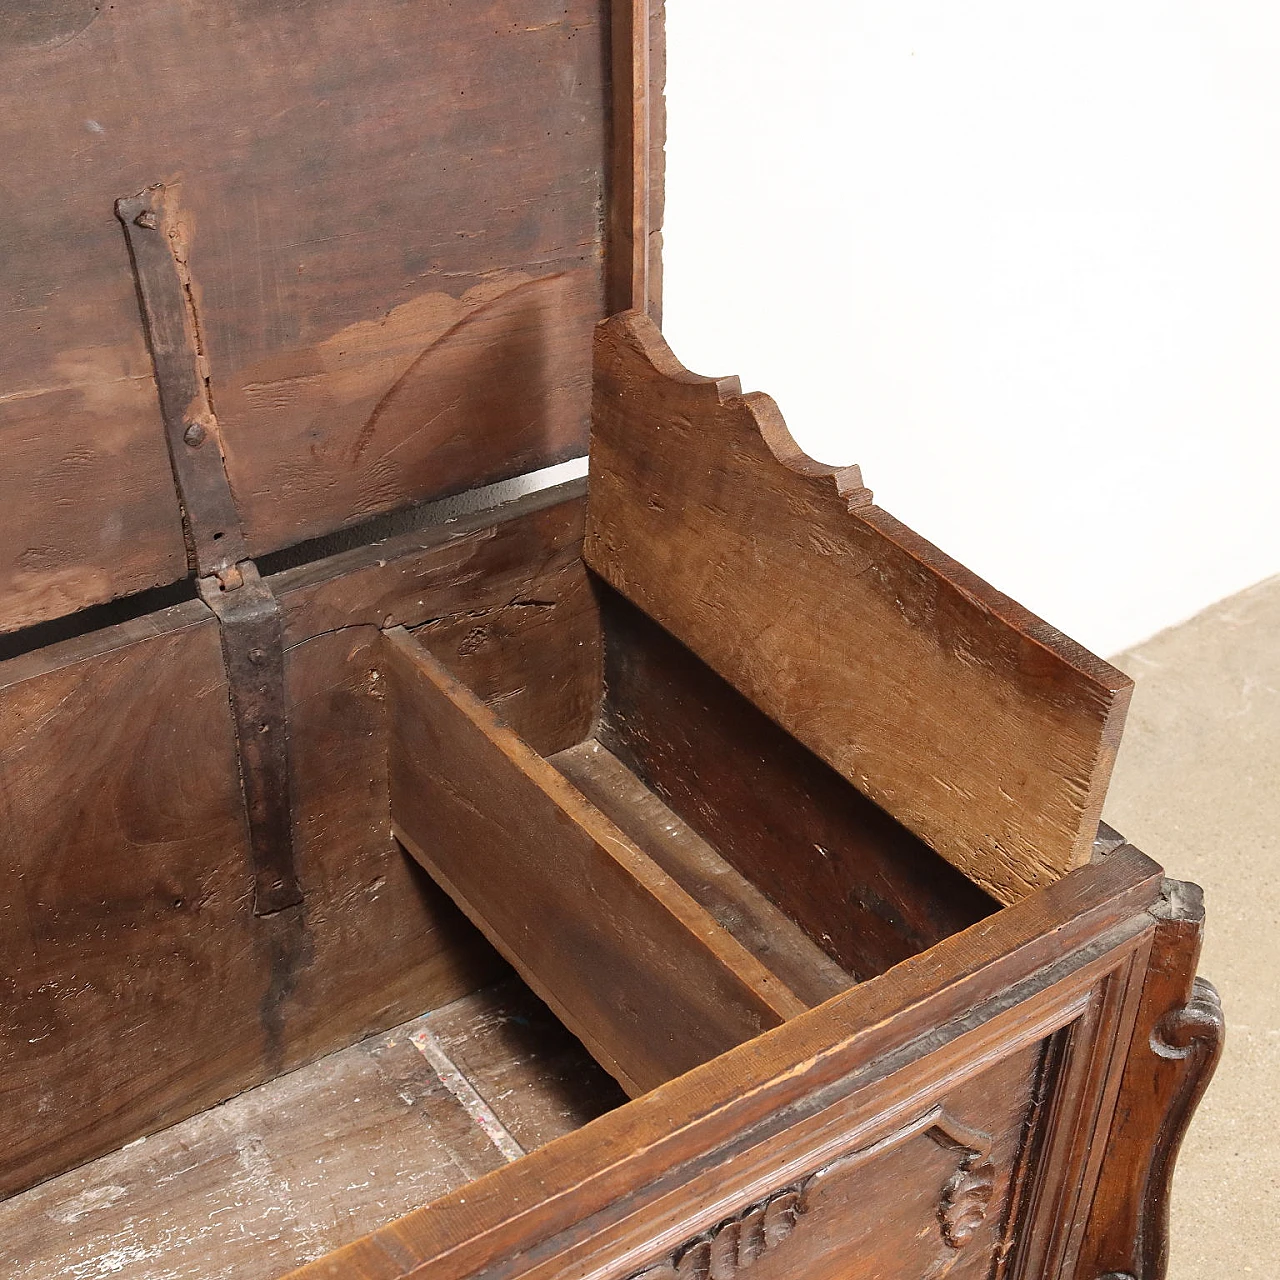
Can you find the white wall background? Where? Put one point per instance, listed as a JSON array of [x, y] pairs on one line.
[[1020, 260]]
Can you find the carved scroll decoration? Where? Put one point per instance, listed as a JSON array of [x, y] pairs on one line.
[[733, 1244], [966, 1199], [1195, 1029], [1171, 1060]]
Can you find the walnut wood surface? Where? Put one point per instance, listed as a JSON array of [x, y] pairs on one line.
[[124, 900], [315, 1158], [925, 1199], [1176, 1045], [615, 1198], [533, 656], [858, 882], [979, 727], [137, 986], [611, 943], [733, 901], [638, 62], [395, 227]]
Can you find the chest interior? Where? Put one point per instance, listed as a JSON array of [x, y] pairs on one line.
[[356, 845]]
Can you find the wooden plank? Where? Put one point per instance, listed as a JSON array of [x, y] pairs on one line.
[[637, 156], [137, 988], [657, 111], [690, 1155], [537, 1078], [978, 726], [859, 883], [313, 1159], [124, 928], [612, 944], [630, 152], [395, 239], [438, 573], [733, 901], [443, 395], [88, 509]]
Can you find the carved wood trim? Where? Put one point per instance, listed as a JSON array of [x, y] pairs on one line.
[[1172, 1057], [733, 1244]]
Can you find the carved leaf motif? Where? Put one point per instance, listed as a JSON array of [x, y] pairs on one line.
[[733, 1245], [965, 1202]]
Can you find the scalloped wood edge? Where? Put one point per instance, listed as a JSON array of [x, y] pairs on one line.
[[977, 725]]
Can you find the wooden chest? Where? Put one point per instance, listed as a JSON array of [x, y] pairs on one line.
[[789, 820]]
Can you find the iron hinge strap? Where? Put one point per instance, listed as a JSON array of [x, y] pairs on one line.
[[227, 580], [215, 539], [253, 652]]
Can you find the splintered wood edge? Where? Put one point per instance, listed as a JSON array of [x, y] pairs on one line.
[[1112, 687]]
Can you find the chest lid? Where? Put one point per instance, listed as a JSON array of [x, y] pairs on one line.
[[386, 229]]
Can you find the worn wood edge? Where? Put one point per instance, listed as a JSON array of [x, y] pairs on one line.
[[633, 219], [399, 647], [657, 111], [1110, 688], [1104, 904], [289, 582], [405, 545], [107, 640]]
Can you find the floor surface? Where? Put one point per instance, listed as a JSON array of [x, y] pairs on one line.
[[312, 1160], [1197, 786]]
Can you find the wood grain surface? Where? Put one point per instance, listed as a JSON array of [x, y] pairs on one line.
[[631, 964], [134, 978], [978, 726], [137, 987], [637, 32], [394, 219], [731, 899], [860, 884], [315, 1158], [611, 1199]]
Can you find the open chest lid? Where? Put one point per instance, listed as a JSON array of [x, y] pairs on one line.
[[364, 246]]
